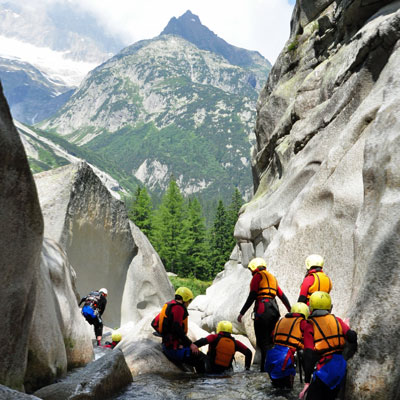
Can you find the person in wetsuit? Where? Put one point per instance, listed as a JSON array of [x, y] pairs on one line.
[[263, 290], [288, 339], [315, 279], [222, 348], [326, 346], [172, 324], [93, 309]]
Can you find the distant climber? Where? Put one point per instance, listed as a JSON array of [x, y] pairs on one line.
[[93, 308], [263, 290], [329, 337], [315, 279], [288, 339], [222, 348]]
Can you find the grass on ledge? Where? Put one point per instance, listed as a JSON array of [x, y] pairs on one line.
[[197, 286]]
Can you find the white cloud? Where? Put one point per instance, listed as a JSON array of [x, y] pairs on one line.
[[261, 25]]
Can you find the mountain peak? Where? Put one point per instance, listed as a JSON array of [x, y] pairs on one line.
[[189, 27], [189, 16]]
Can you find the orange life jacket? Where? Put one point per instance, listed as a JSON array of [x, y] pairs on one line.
[[287, 332], [328, 334], [268, 285], [162, 320], [222, 351], [321, 283]]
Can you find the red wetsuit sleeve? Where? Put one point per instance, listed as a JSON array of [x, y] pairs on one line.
[[207, 340], [241, 348], [255, 283], [308, 334], [345, 327], [305, 286]]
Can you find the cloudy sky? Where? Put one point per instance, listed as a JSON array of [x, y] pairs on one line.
[[261, 25]]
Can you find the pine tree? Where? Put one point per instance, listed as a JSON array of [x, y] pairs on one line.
[[233, 214], [220, 248], [195, 243], [168, 232], [141, 212]]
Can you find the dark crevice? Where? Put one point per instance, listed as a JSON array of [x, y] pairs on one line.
[[300, 144]]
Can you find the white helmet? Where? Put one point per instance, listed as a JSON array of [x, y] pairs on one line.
[[103, 290]]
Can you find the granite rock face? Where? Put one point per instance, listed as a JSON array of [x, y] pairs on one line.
[[60, 338], [21, 235], [326, 172], [101, 243], [8, 394], [147, 285]]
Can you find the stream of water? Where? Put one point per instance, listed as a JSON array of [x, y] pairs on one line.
[[240, 385]]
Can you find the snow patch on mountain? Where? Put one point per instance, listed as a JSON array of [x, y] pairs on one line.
[[57, 67]]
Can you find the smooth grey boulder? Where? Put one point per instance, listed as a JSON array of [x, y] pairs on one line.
[[21, 234], [375, 372], [93, 229], [60, 338], [98, 380], [103, 246], [147, 285], [8, 394]]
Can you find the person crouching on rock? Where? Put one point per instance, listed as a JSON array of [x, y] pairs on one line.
[[288, 336], [93, 308], [172, 324], [222, 348], [116, 338]]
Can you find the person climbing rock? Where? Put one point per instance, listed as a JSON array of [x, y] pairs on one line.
[[93, 308], [172, 324], [315, 279], [263, 290], [222, 348], [330, 335], [116, 338], [288, 339]]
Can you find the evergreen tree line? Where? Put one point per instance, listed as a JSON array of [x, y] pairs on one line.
[[177, 231]]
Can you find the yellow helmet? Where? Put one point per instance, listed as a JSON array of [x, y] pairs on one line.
[[185, 293], [320, 301], [224, 326], [300, 308], [314, 260], [255, 263], [116, 336]]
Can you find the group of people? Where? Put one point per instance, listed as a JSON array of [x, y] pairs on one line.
[[322, 341], [309, 329], [172, 324]]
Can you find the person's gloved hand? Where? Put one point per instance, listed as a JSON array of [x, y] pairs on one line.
[[303, 392], [194, 349]]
